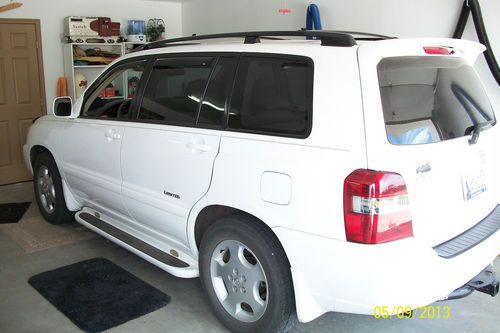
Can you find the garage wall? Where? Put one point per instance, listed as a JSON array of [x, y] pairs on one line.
[[52, 12], [401, 18]]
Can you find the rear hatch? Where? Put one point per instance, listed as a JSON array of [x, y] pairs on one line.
[[427, 117]]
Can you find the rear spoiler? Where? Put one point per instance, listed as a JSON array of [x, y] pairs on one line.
[[465, 49]]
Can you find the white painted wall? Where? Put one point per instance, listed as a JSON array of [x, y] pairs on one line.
[[401, 18], [52, 12]]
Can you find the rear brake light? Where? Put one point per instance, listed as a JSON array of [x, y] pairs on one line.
[[438, 50], [376, 207]]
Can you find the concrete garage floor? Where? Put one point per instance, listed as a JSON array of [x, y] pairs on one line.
[[22, 309]]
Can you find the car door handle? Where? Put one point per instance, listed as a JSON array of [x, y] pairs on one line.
[[199, 147], [112, 135]]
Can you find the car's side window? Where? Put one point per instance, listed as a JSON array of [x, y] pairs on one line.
[[273, 95], [113, 97], [175, 89], [213, 106]]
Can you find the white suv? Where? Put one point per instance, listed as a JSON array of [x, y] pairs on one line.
[[293, 176]]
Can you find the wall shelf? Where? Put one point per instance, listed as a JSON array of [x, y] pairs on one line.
[[89, 66], [90, 72]]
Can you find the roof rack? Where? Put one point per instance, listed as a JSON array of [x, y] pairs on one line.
[[366, 35], [328, 38]]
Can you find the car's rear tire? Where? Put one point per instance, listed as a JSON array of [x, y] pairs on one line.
[[49, 192], [246, 276]]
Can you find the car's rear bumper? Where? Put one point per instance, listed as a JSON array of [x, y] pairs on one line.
[[332, 275]]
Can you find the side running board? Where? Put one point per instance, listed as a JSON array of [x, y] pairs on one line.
[[136, 243]]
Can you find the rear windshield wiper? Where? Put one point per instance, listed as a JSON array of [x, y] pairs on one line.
[[476, 129]]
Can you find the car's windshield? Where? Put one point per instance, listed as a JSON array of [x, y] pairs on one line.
[[431, 99]]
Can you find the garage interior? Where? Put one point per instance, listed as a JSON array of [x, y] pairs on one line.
[[30, 246]]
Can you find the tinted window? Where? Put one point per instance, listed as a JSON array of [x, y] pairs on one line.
[[431, 99], [273, 95], [213, 106], [113, 97], [174, 90]]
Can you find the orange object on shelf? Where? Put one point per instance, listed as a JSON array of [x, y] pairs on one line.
[[62, 87]]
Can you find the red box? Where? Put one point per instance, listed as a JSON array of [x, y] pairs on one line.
[[105, 28]]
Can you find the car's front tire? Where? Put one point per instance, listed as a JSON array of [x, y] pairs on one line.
[[49, 192], [246, 276]]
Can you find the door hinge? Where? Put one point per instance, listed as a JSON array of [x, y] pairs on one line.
[[37, 45]]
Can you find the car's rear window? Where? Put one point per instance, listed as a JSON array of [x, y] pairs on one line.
[[431, 99]]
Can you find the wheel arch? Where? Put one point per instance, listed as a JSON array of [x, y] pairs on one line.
[[36, 150], [212, 213], [71, 203]]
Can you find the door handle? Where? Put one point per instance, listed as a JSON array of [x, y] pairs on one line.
[[112, 135], [199, 147]]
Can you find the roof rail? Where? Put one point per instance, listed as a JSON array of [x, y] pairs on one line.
[[328, 38], [366, 35]]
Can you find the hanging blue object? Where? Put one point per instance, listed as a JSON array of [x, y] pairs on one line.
[[313, 20]]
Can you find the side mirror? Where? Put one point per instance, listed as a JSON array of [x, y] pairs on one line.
[[63, 106]]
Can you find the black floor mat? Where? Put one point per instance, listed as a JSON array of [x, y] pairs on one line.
[[13, 212], [96, 294]]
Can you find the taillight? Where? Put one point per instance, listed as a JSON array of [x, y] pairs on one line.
[[438, 50], [376, 207]]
